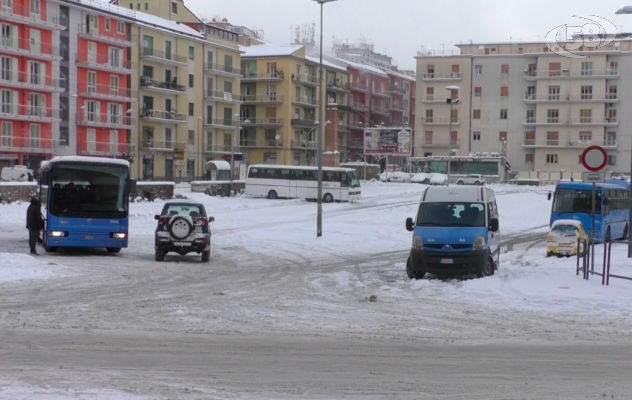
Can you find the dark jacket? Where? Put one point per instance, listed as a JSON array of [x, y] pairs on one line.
[[34, 218]]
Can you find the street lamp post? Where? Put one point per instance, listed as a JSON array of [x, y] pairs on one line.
[[232, 148], [452, 101], [200, 153], [319, 212]]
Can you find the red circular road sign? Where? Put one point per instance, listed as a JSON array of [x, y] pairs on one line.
[[594, 158]]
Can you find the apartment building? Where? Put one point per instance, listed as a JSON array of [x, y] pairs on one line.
[[279, 94], [30, 56], [544, 109]]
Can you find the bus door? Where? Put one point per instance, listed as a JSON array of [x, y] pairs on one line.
[[293, 184], [344, 186]]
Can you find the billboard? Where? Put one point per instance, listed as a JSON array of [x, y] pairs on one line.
[[387, 141]]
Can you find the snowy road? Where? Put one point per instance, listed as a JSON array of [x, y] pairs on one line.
[[275, 299]]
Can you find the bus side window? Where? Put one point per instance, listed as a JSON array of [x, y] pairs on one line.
[[284, 174], [299, 175], [254, 173], [343, 179]]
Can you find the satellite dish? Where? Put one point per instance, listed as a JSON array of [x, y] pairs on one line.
[[277, 137], [481, 47]]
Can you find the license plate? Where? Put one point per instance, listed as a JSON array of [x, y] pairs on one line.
[[446, 261], [88, 237], [181, 244]]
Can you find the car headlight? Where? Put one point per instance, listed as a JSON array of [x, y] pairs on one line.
[[118, 235], [58, 234], [479, 243], [418, 243]]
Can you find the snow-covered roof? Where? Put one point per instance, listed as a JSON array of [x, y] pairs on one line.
[[152, 20], [403, 76], [447, 194], [370, 68], [155, 183], [83, 159], [566, 222], [219, 164], [325, 63], [268, 50]]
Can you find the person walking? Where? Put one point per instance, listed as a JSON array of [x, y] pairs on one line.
[[34, 223]]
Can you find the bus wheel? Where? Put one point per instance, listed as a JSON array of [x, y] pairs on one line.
[[273, 195], [608, 234], [113, 249], [328, 198]]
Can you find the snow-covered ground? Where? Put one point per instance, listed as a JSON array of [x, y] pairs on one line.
[[270, 275]]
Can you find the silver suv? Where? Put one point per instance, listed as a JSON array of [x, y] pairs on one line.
[[183, 228], [472, 179]]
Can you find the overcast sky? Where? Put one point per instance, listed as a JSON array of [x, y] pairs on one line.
[[400, 28]]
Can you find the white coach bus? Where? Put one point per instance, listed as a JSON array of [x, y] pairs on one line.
[[295, 182]]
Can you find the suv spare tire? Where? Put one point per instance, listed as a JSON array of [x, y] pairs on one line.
[[180, 226]]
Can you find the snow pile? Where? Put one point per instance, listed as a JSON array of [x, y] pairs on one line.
[[16, 391], [17, 267]]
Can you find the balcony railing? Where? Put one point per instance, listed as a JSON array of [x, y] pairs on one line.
[[435, 98], [163, 115], [262, 121], [28, 112], [303, 144], [266, 98], [222, 69], [304, 100], [309, 123], [223, 96], [359, 106], [379, 110], [357, 86], [13, 11], [107, 92], [32, 81], [397, 89], [26, 144], [397, 107], [219, 148], [96, 148], [428, 142], [222, 122], [112, 37], [380, 92], [109, 120], [356, 125], [571, 121], [103, 62], [152, 84], [607, 97], [268, 143], [567, 73], [338, 86], [444, 77], [305, 79], [275, 76], [33, 49], [162, 56], [441, 121], [149, 143], [563, 142]]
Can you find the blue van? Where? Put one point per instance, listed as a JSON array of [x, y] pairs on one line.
[[455, 232]]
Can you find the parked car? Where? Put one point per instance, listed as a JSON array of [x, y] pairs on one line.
[[438, 179], [183, 228], [401, 177], [420, 178], [19, 173], [563, 237], [472, 179]]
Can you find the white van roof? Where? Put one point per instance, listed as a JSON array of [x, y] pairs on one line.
[[462, 193]]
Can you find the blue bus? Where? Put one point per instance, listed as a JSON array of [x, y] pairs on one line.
[[573, 200], [87, 202]]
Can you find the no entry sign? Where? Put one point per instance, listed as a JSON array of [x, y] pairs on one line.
[[594, 158]]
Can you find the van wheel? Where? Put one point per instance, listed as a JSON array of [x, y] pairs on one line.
[[459, 182], [487, 270], [206, 256], [411, 273], [160, 255], [273, 195], [328, 198], [113, 249]]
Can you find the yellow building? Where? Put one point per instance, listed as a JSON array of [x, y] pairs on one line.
[[279, 109]]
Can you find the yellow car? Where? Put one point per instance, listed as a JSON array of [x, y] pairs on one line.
[[563, 236]]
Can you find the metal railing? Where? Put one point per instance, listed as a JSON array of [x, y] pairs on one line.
[[586, 259], [146, 82], [397, 88], [26, 144], [567, 73], [262, 75], [310, 123], [438, 76], [219, 148], [29, 111], [33, 48], [157, 114], [397, 106], [571, 121], [163, 55], [24, 78], [222, 68], [379, 110], [265, 98], [161, 144], [99, 148], [106, 91], [113, 36], [261, 142], [304, 100], [26, 14], [305, 78], [572, 97], [359, 87], [262, 121], [441, 143], [440, 121], [104, 61], [222, 122], [88, 118], [303, 144], [359, 106], [432, 98], [343, 86]]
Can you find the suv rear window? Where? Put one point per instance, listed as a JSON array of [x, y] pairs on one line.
[[192, 210]]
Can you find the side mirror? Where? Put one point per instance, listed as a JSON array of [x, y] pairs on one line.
[[132, 186], [494, 225], [549, 196], [606, 201], [211, 219], [156, 217], [409, 225]]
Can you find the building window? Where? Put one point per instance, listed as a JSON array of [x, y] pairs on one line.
[[190, 80], [587, 68], [580, 159], [585, 116], [502, 136], [504, 69], [455, 116], [551, 158], [587, 93], [476, 135], [504, 91], [478, 69], [191, 52], [131, 6], [146, 6], [174, 7], [107, 24], [428, 137], [529, 138], [191, 108], [429, 116], [138, 6], [476, 114], [612, 92], [612, 160], [585, 137], [611, 139], [477, 92], [554, 92], [530, 116], [120, 27], [191, 136], [552, 116], [503, 113], [405, 104], [552, 138], [528, 158]]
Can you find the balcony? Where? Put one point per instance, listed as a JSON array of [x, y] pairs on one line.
[[261, 143], [431, 76], [530, 98], [223, 70], [581, 121], [263, 99], [396, 89], [24, 15], [262, 77], [303, 144], [338, 87], [112, 37], [359, 106], [105, 120], [381, 93], [344, 108], [442, 143], [532, 75], [106, 92], [152, 85], [397, 107], [441, 121], [304, 123], [343, 128], [105, 63], [434, 98], [305, 79], [24, 47], [564, 143], [277, 122], [304, 101], [220, 148], [26, 144], [161, 57], [107, 149], [223, 97], [29, 113], [358, 87], [165, 117], [23, 80], [356, 125], [380, 110], [151, 144], [222, 123]]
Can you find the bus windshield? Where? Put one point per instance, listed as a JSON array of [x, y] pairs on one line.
[[569, 201], [89, 191], [353, 179], [451, 214]]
